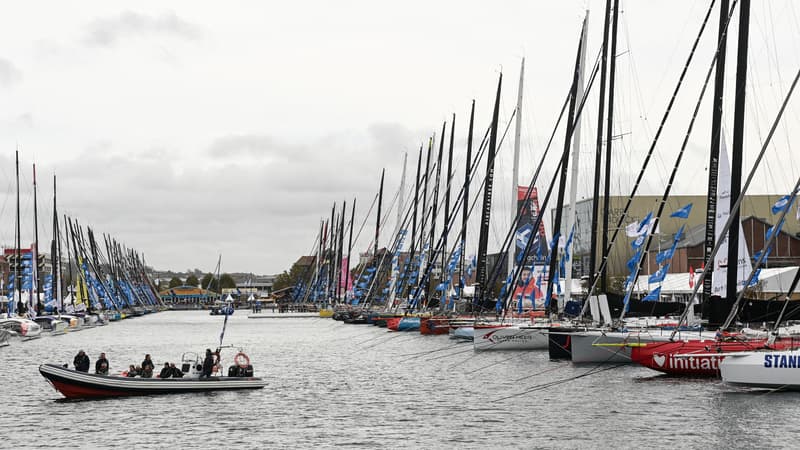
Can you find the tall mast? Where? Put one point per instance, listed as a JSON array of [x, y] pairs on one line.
[[612, 74], [465, 205], [738, 153], [329, 251], [349, 250], [434, 212], [55, 255], [71, 285], [483, 239], [576, 148], [449, 178], [339, 250], [378, 220], [410, 261], [35, 283], [716, 130], [17, 280], [598, 158], [510, 259], [317, 274], [562, 184], [401, 197], [395, 271]]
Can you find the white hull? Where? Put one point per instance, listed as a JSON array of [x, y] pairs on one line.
[[596, 346], [771, 370], [511, 338]]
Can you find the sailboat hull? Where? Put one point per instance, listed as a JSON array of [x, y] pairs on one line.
[[697, 358], [510, 338], [770, 370]]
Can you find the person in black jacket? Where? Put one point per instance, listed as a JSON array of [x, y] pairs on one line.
[[101, 366], [81, 362], [166, 371], [176, 373], [208, 364]]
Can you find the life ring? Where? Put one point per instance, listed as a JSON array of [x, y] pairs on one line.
[[241, 360]]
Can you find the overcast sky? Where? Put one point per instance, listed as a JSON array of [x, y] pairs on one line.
[[189, 129]]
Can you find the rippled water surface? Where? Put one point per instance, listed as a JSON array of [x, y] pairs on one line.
[[338, 385]]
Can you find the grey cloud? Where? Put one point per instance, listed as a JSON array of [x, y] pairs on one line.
[[260, 212], [9, 74], [108, 31], [254, 145]]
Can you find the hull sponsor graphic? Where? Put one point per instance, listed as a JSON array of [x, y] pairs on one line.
[[691, 363], [494, 338], [782, 361]]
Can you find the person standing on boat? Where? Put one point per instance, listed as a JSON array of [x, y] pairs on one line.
[[81, 362], [208, 364], [147, 367], [101, 366]]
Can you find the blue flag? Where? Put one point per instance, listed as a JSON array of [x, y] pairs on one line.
[[644, 223], [569, 242], [638, 242], [666, 254], [659, 275], [757, 255], [781, 204], [773, 229], [653, 296], [634, 261], [522, 235], [754, 281], [682, 213]]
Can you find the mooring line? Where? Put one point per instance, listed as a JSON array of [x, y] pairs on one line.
[[592, 371]]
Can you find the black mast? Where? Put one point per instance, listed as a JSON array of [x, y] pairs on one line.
[[378, 220], [412, 254], [612, 72], [738, 138], [35, 255], [17, 280], [716, 134], [465, 210], [329, 251], [483, 240], [598, 160], [55, 256], [435, 210], [562, 183], [339, 251], [447, 193], [349, 250]]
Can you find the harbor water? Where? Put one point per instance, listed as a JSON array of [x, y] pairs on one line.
[[338, 385]]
